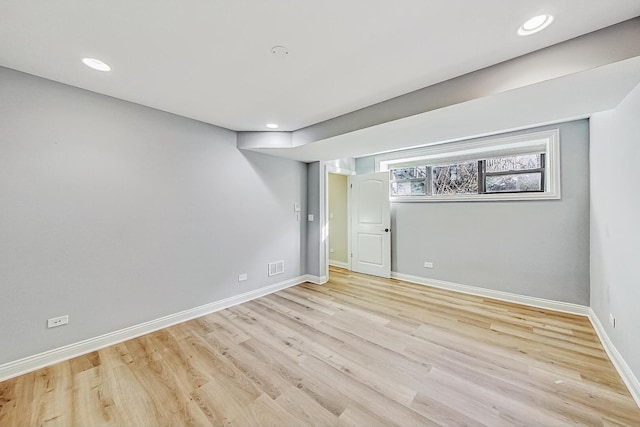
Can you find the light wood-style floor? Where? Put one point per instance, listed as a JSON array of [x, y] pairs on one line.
[[357, 351]]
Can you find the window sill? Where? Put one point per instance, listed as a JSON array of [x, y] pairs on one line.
[[507, 197]]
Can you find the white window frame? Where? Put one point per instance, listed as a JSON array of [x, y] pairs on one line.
[[547, 141]]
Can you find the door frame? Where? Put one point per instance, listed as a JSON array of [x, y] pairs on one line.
[[334, 167]]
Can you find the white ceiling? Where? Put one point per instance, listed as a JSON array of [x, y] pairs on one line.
[[211, 60], [570, 97]]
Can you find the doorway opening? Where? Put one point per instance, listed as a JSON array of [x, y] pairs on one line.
[[338, 221], [366, 227]]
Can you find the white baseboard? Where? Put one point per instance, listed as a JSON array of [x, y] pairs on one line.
[[339, 264], [564, 307], [629, 379], [316, 280], [31, 363]]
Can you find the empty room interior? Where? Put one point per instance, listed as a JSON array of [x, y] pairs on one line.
[[326, 214]]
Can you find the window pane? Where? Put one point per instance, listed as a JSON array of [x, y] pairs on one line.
[[516, 182], [514, 163], [409, 173], [417, 188], [403, 173], [456, 178], [408, 188]]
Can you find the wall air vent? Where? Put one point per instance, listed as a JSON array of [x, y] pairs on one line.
[[276, 268]]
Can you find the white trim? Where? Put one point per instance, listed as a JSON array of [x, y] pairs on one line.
[[493, 197], [563, 307], [629, 379], [316, 280], [547, 140], [324, 212], [339, 264], [31, 363], [627, 375]]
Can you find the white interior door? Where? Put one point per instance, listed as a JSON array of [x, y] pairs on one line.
[[371, 224]]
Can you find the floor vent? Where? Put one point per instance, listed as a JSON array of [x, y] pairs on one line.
[[276, 268]]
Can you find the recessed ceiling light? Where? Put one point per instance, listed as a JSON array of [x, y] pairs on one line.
[[96, 64], [535, 24], [272, 126]]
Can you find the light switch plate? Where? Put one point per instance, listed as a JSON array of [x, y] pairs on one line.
[[296, 207]]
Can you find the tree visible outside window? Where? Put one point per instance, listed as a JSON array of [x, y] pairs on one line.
[[512, 174], [520, 167]]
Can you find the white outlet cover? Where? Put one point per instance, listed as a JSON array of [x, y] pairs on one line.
[[310, 217], [57, 321], [428, 264], [242, 277]]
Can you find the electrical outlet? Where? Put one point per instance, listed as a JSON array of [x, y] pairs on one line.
[[243, 277], [612, 320], [57, 321], [428, 264], [310, 217]]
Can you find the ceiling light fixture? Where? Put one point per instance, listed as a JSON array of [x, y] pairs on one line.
[[272, 126], [96, 64], [535, 24]]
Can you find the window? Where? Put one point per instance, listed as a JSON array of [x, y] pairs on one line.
[[455, 178], [409, 181], [513, 174], [513, 168]]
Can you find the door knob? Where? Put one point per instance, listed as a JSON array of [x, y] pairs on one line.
[[386, 230]]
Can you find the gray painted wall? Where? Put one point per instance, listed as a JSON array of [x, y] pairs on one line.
[[249, 140], [533, 248], [615, 224], [313, 228], [117, 214]]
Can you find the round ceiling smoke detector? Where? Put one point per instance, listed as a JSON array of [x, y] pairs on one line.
[[280, 51]]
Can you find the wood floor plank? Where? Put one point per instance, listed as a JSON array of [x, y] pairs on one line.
[[93, 400], [358, 351], [310, 383], [304, 408]]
